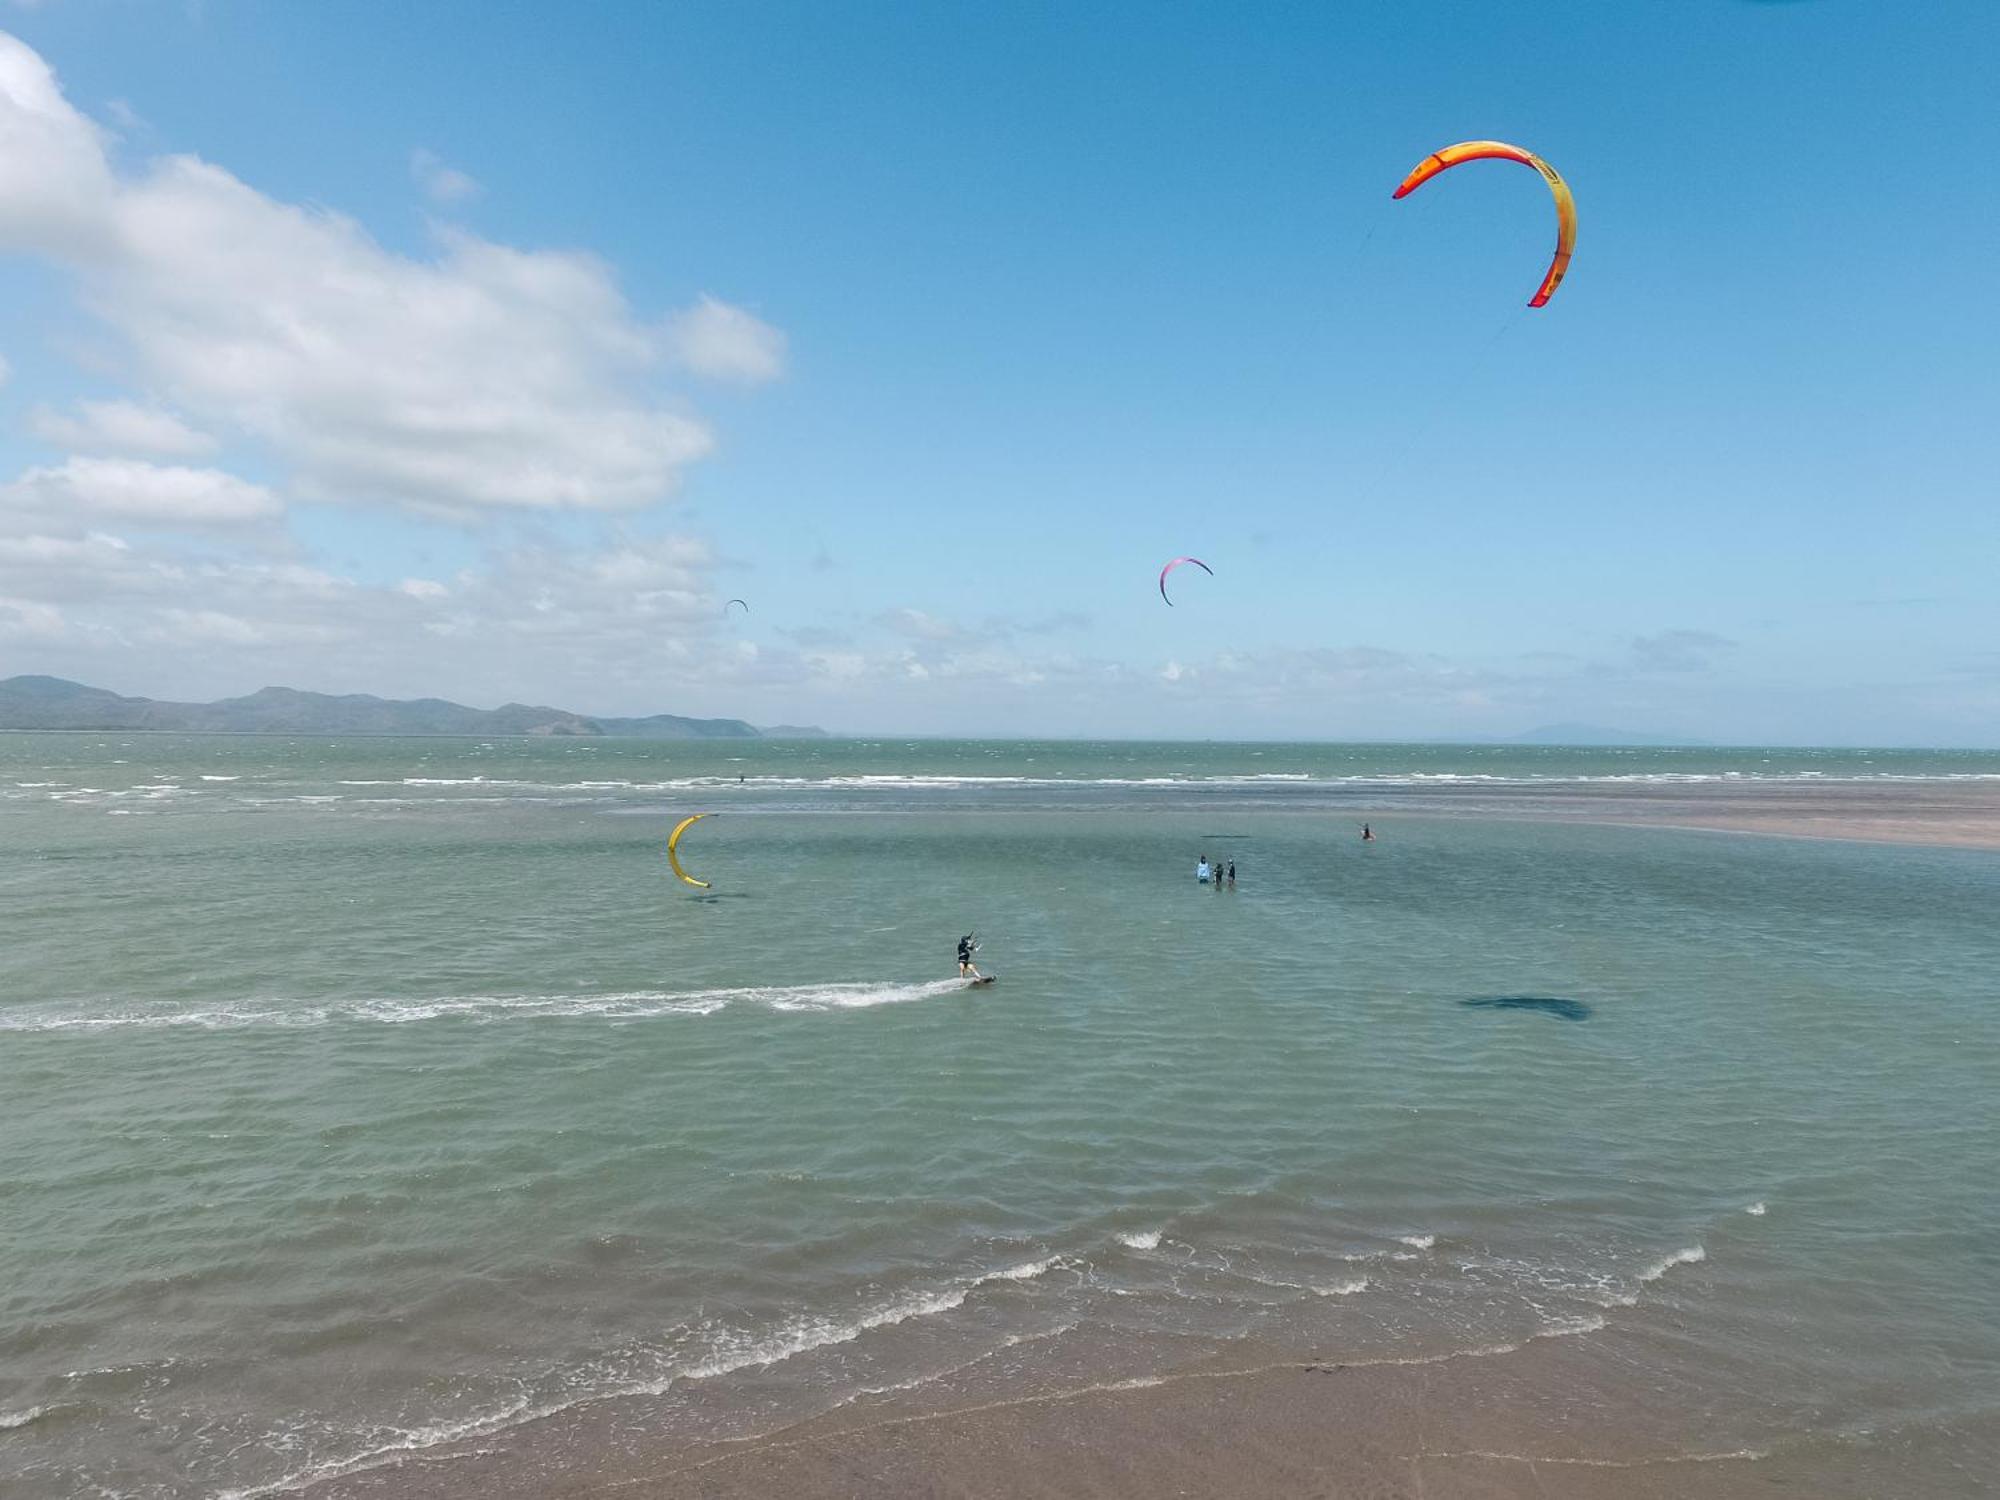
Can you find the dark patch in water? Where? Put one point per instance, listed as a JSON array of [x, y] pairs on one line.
[[1562, 1010]]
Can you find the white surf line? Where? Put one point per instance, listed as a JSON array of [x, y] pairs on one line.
[[743, 1447], [1739, 1455], [799, 1335], [620, 1005]]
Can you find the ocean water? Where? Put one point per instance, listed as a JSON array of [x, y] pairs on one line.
[[364, 1100]]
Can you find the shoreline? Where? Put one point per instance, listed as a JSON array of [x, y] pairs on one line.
[[1532, 1422], [1948, 815]]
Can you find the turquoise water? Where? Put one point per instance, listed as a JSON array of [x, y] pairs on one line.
[[364, 1096]]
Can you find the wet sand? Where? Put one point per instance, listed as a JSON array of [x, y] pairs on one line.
[[1944, 814], [1563, 1419]]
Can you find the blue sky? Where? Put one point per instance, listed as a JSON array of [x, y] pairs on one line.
[[957, 322]]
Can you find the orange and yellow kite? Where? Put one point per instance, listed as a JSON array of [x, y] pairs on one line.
[[1451, 156]]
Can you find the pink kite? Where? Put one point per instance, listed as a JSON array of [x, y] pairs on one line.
[[1175, 564]]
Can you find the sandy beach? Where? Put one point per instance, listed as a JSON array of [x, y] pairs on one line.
[[1963, 814], [1555, 1420]]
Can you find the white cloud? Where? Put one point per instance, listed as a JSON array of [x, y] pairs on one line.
[[484, 376], [24, 619], [37, 549], [54, 179], [920, 626], [6, 370], [443, 185], [130, 490], [423, 588], [726, 343], [120, 427], [207, 627], [1678, 650]]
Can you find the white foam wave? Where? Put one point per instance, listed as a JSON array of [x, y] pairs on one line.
[[1145, 1240], [1341, 1288], [804, 1335], [413, 1440], [625, 1005], [1756, 1209], [730, 1351], [9, 1420], [1739, 1455], [206, 777], [1564, 1328], [1417, 1241], [1692, 1255], [848, 996]]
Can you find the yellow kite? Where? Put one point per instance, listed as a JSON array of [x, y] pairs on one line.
[[673, 842]]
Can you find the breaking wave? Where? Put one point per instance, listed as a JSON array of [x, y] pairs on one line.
[[729, 1350]]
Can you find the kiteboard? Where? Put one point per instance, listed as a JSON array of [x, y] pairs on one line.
[[983, 979]]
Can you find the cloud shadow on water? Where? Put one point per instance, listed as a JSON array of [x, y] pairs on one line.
[[1562, 1010]]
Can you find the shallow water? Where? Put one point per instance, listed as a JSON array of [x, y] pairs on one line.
[[390, 1091]]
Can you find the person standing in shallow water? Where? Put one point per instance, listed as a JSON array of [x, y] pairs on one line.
[[1201, 869], [1232, 874]]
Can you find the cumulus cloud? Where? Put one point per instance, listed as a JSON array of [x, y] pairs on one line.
[[726, 343], [213, 627], [817, 635], [919, 625], [26, 620], [483, 376], [120, 427], [444, 185], [131, 490]]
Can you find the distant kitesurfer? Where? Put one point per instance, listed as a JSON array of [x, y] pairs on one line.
[[1367, 834], [967, 946]]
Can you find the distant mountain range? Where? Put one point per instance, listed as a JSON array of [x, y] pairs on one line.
[[53, 703]]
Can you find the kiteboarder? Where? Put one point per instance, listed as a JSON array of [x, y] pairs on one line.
[[1367, 834], [967, 946]]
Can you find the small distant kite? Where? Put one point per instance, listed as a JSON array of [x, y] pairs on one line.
[[1175, 564], [673, 844], [746, 608], [1451, 156]]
